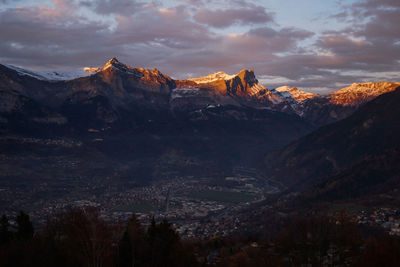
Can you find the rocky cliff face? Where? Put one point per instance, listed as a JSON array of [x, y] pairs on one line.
[[244, 84], [221, 89], [124, 86]]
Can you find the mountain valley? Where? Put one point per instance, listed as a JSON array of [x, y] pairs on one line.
[[120, 132]]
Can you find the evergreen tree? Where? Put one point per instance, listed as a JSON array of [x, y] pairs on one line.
[[125, 251], [133, 245], [164, 244], [24, 226], [5, 234], [151, 231]]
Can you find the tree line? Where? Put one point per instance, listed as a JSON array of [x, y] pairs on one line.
[[80, 237]]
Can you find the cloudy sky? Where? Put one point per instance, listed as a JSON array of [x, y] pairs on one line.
[[312, 44]]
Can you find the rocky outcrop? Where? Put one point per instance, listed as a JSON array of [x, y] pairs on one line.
[[244, 84], [241, 89]]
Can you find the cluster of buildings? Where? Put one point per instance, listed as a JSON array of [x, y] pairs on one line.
[[388, 218], [174, 199]]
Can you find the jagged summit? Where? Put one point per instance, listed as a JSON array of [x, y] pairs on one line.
[[244, 83], [115, 64], [114, 60]]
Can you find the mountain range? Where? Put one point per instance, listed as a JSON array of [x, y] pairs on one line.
[[118, 94], [139, 124], [316, 144]]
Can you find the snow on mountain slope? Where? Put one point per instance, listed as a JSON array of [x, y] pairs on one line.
[[212, 78], [184, 92], [53, 75], [293, 93], [112, 64], [359, 93]]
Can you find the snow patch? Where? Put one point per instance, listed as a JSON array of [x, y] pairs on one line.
[[293, 94], [212, 78], [51, 75], [184, 92]]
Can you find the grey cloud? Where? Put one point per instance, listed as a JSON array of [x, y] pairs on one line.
[[281, 40], [104, 7], [370, 43], [8, 1], [36, 27], [377, 4], [167, 27], [49, 37], [220, 3], [222, 18], [291, 33], [304, 72]]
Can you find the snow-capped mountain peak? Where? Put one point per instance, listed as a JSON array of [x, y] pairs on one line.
[[293, 93], [359, 93], [114, 65]]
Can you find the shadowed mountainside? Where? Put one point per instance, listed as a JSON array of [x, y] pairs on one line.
[[370, 132]]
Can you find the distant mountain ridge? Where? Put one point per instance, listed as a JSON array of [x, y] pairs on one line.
[[366, 143], [108, 92], [118, 96], [359, 93], [322, 110]]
